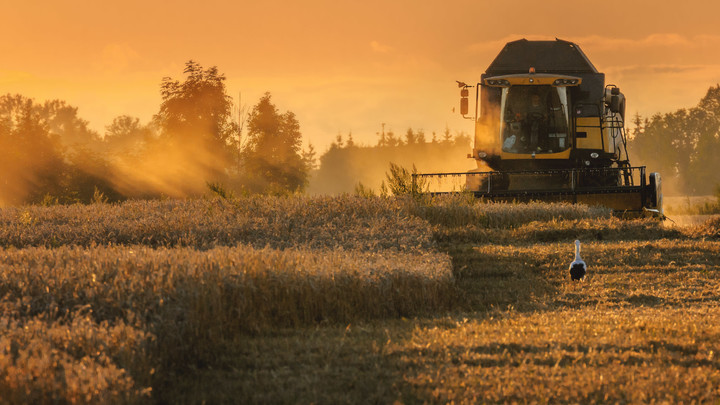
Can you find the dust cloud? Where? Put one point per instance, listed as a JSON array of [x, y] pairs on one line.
[[171, 169], [487, 129], [341, 169]]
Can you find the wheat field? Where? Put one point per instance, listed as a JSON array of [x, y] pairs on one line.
[[352, 300]]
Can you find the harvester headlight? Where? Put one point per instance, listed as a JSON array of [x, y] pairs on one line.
[[562, 82], [482, 155], [497, 82], [587, 163], [594, 155]]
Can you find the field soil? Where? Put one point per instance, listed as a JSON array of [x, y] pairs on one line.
[[642, 327]]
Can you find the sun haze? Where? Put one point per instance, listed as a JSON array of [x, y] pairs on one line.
[[344, 66]]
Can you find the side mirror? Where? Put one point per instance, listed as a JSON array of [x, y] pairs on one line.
[[464, 101], [615, 103]]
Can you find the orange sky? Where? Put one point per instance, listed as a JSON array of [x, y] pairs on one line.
[[344, 65]]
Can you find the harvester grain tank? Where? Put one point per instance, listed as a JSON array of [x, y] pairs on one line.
[[548, 128]]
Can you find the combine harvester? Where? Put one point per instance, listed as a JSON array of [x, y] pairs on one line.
[[549, 129]]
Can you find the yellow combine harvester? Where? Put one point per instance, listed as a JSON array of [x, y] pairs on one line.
[[548, 128]]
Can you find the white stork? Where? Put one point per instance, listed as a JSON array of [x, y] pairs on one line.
[[578, 268]]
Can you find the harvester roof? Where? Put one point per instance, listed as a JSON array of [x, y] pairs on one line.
[[545, 56]]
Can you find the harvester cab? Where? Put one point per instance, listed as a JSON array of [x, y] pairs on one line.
[[548, 128]]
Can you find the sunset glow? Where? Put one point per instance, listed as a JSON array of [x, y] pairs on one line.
[[343, 66], [359, 201]]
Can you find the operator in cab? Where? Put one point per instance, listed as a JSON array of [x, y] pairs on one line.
[[535, 124], [527, 130]]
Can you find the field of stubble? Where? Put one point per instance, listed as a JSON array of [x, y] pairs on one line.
[[353, 300]]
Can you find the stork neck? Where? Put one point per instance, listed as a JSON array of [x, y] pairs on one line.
[[577, 250]]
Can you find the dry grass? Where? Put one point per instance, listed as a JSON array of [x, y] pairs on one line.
[[280, 222], [558, 230], [353, 300], [641, 328], [656, 272], [188, 307], [710, 229], [593, 355], [238, 289], [459, 210], [457, 219], [73, 359], [346, 221]]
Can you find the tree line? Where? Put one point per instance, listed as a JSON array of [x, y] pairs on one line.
[[48, 154], [683, 146], [199, 139], [347, 166]]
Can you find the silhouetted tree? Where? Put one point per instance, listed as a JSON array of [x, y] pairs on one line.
[[420, 136], [62, 120], [196, 117], [272, 157], [392, 140], [410, 137], [88, 174], [310, 158], [447, 135], [682, 145], [704, 167], [339, 141], [125, 135], [49, 154], [31, 163]]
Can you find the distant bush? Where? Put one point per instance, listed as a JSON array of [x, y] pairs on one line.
[[400, 181], [364, 191]]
